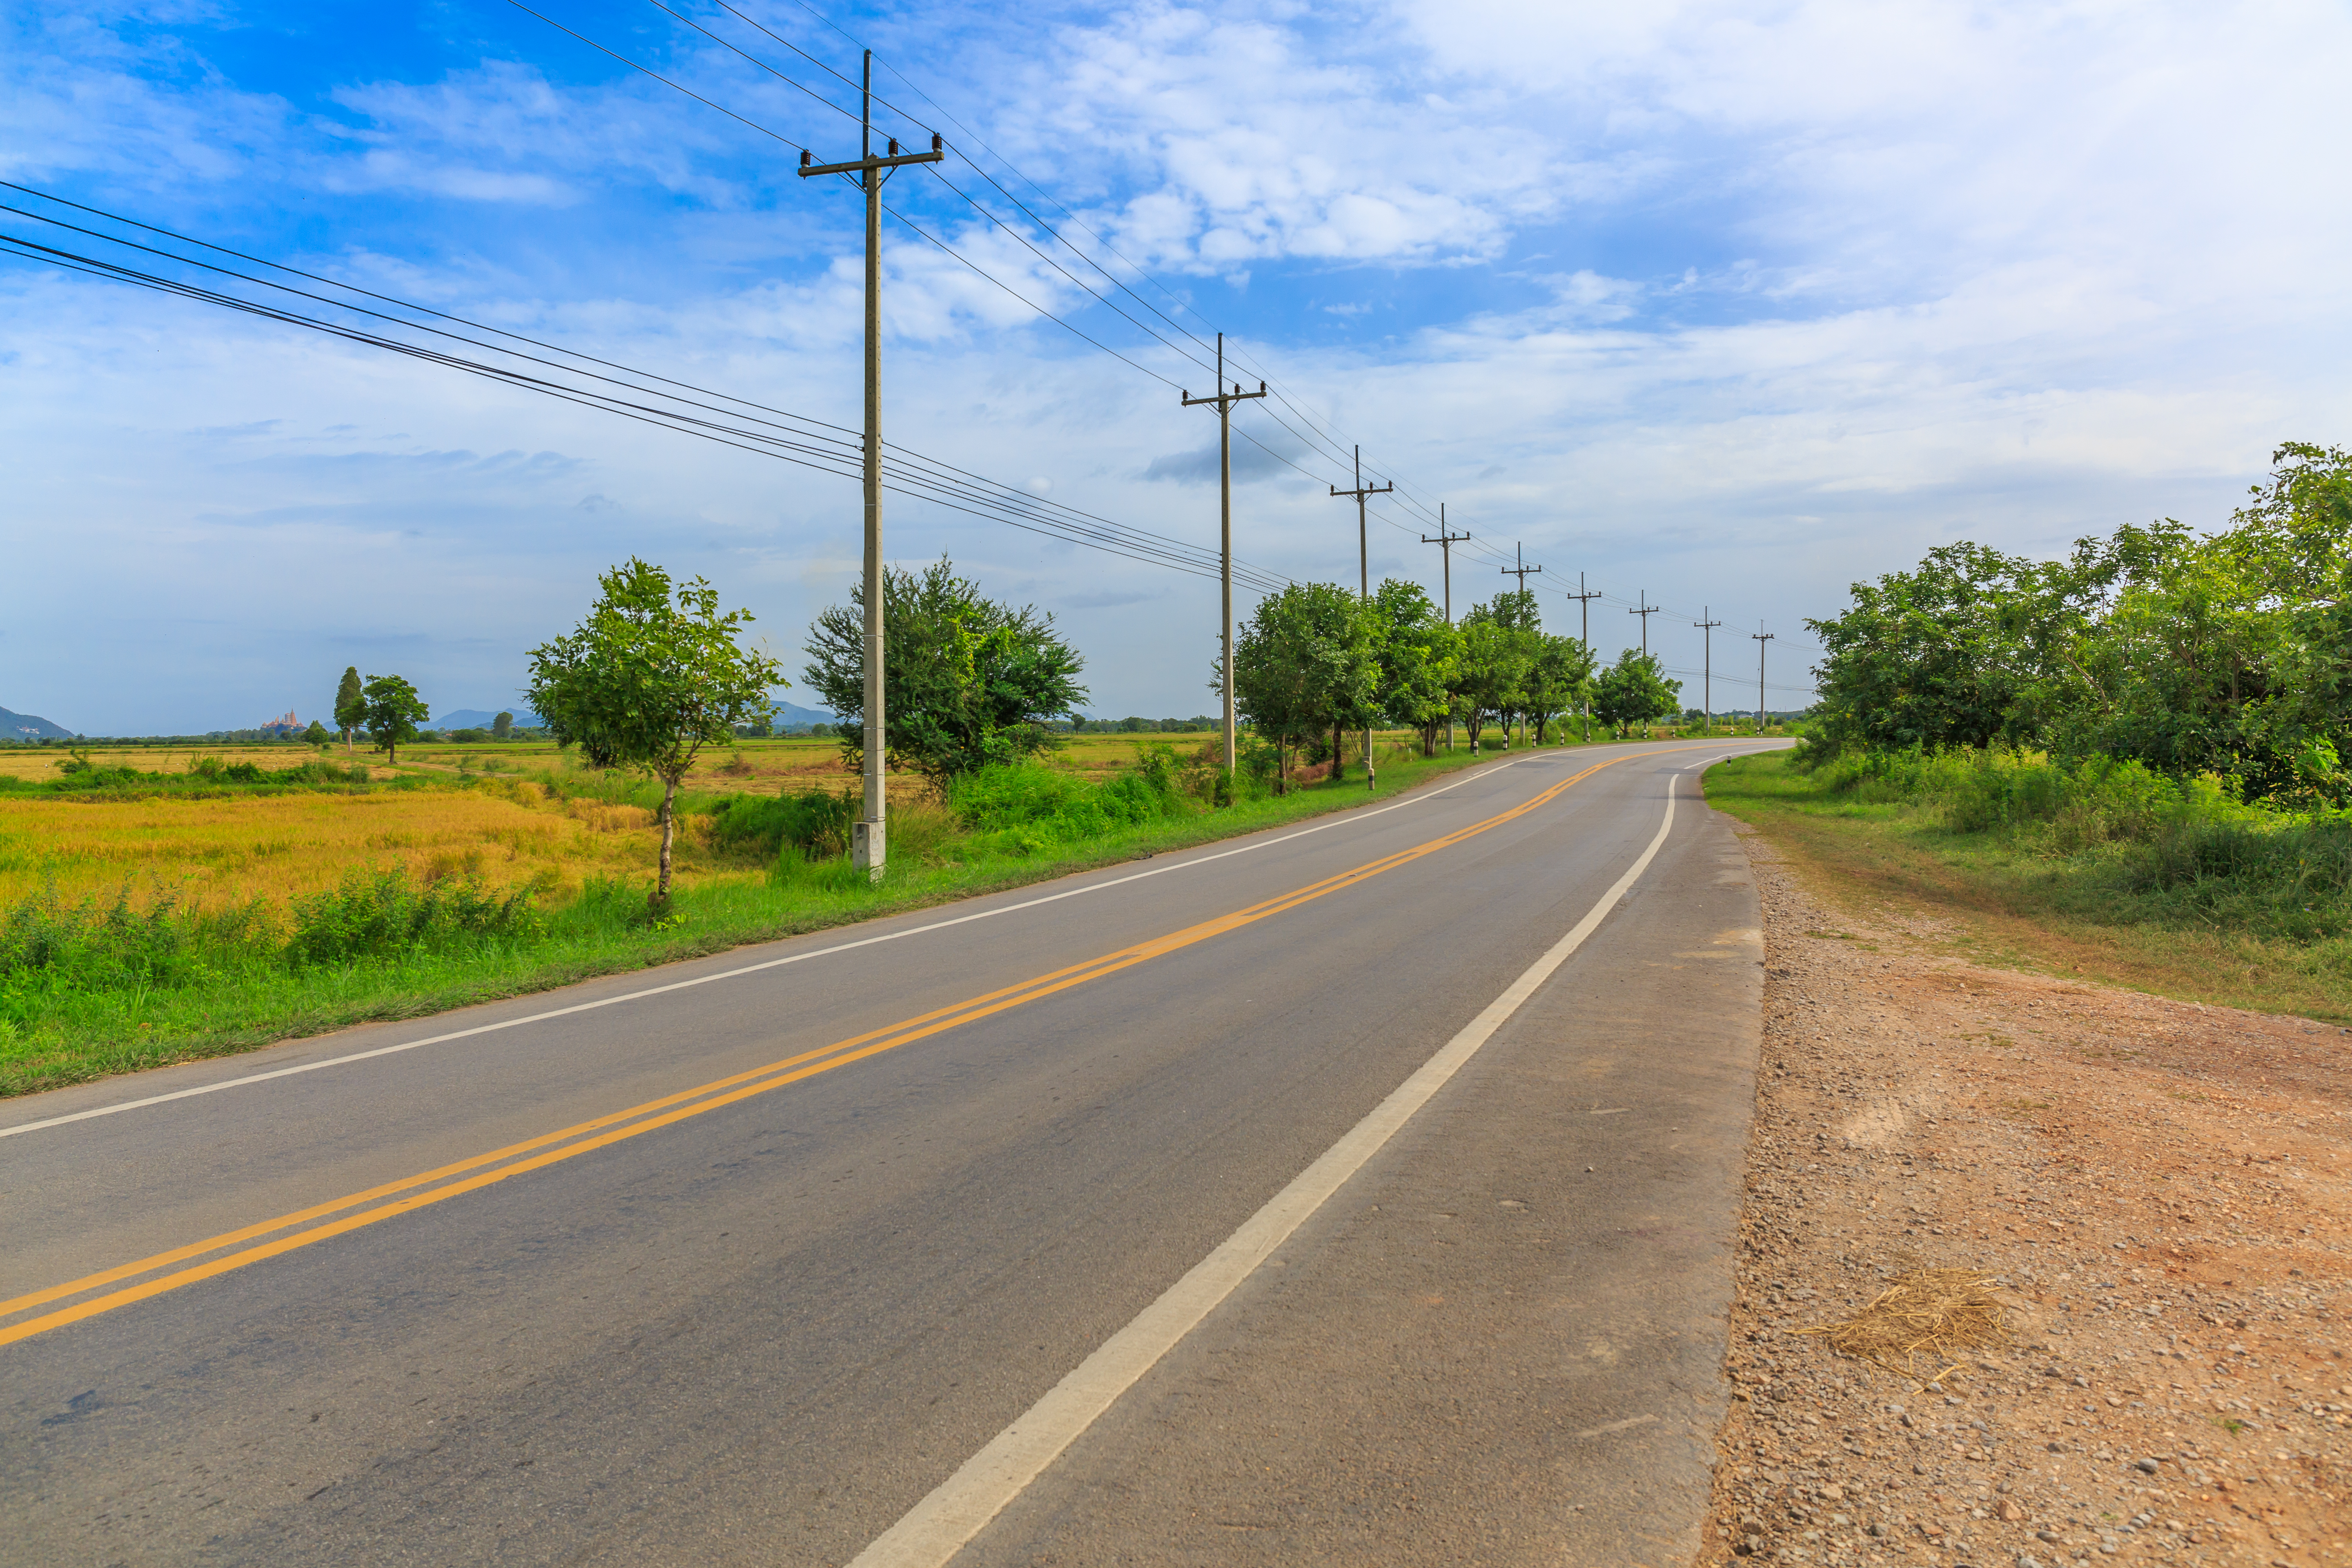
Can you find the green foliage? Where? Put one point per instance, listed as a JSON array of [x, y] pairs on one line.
[[1306, 665], [650, 678], [1634, 690], [2230, 654], [813, 823], [1419, 655], [502, 727], [391, 709], [1024, 807], [1558, 677], [318, 734], [372, 914], [351, 703], [968, 683]]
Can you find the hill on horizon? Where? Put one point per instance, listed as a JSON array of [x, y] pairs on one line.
[[31, 726]]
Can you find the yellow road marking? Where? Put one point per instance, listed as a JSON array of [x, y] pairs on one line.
[[610, 1129]]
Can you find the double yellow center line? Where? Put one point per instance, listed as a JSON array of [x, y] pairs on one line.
[[271, 1239]]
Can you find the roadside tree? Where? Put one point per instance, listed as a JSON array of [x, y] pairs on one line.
[[967, 682], [1306, 665], [1495, 654], [1418, 657], [391, 711], [1558, 677], [650, 678], [1634, 690]]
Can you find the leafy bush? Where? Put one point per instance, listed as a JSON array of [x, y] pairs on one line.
[[815, 821], [1027, 807], [380, 914]]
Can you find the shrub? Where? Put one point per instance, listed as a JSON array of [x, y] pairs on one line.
[[813, 822], [382, 913]]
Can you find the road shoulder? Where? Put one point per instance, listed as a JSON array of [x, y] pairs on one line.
[[2156, 1191]]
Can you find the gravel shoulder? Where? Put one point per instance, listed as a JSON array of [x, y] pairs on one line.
[[2159, 1193]]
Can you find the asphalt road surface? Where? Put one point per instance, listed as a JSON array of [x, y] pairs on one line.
[[1354, 1192]]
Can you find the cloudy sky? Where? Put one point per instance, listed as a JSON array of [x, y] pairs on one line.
[[1722, 303]]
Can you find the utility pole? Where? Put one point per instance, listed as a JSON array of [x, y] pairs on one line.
[[1645, 612], [867, 838], [1224, 401], [1706, 665], [1364, 580], [1522, 571], [1446, 541], [1584, 608], [1762, 638]]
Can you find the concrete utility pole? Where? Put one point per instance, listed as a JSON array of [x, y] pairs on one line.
[[867, 838], [1446, 541], [1645, 612], [1224, 401], [1522, 571], [1584, 608], [1364, 582], [1762, 638], [1706, 665]]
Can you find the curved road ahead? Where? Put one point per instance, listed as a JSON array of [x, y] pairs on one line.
[[1347, 1193]]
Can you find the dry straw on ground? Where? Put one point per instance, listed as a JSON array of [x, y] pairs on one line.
[[1930, 1312]]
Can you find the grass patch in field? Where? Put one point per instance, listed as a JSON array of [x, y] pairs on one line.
[[289, 915], [2233, 906]]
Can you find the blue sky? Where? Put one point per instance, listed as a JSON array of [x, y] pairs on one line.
[[1729, 303]]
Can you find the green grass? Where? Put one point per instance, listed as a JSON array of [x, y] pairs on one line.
[[2096, 872], [95, 989]]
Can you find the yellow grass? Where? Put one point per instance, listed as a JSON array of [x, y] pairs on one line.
[[235, 847], [41, 762]]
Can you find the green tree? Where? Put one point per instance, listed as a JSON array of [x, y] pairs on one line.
[[1557, 680], [1418, 657], [318, 734], [966, 681], [651, 676], [391, 709], [1306, 665], [1497, 651], [350, 705], [1634, 690], [502, 727]]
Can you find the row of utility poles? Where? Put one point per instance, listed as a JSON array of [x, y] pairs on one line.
[[868, 836]]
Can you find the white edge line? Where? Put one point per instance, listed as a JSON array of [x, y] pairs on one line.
[[1341, 819], [937, 1527]]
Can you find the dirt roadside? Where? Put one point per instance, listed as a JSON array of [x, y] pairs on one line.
[[2162, 1193]]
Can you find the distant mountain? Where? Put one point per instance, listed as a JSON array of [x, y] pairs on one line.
[[475, 719], [31, 726], [792, 713]]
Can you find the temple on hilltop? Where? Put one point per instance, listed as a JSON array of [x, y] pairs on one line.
[[286, 726]]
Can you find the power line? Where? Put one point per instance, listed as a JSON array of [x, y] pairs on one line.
[[912, 473]]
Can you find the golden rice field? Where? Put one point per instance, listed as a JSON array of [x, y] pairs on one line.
[[238, 848]]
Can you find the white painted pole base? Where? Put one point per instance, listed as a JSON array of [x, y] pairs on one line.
[[867, 846]]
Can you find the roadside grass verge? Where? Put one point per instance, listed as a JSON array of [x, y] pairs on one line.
[[2197, 899], [92, 986]]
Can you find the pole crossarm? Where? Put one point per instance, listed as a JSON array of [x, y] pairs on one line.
[[896, 160], [1522, 571]]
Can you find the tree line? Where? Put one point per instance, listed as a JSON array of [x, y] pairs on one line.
[[656, 671], [2227, 653]]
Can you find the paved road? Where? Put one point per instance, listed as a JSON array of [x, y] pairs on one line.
[[747, 1269]]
